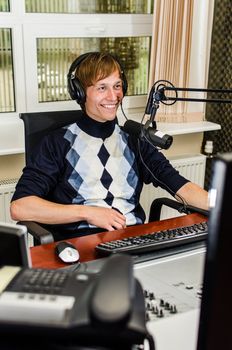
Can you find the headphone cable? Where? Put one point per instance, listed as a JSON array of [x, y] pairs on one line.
[[124, 114]]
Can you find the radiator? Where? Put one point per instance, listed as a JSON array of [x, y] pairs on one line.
[[192, 167], [7, 188]]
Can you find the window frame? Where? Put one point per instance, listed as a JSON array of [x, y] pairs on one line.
[[62, 26], [18, 61], [27, 27]]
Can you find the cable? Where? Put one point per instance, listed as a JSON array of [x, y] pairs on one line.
[[123, 111], [182, 200], [165, 186], [150, 341]]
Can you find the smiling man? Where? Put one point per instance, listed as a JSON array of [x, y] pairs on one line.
[[88, 176]]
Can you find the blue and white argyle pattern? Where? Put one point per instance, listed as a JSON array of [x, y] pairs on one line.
[[103, 173]]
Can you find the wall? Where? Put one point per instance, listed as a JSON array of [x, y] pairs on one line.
[[11, 166]]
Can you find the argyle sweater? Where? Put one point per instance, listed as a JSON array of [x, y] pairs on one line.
[[96, 164]]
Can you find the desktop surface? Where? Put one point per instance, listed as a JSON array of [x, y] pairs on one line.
[[44, 256]]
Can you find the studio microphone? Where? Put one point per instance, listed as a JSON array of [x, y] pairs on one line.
[[146, 132]]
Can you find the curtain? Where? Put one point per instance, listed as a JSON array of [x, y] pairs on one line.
[[170, 52]]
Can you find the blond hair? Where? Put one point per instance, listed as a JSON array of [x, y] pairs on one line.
[[97, 66]]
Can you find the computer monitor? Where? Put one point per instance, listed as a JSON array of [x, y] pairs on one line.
[[14, 249], [215, 331]]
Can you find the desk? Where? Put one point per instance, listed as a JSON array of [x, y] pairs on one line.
[[43, 256]]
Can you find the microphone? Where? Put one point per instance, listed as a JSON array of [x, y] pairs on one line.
[[151, 134]]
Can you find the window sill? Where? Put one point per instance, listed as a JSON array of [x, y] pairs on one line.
[[178, 128], [187, 128], [12, 132]]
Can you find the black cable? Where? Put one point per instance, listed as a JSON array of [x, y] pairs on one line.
[[123, 111], [182, 200], [150, 341]]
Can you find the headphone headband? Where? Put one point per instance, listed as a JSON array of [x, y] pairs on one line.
[[75, 88]]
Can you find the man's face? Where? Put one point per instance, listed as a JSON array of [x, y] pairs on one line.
[[104, 97]]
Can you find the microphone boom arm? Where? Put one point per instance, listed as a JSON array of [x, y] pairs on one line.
[[213, 100], [157, 95], [197, 100]]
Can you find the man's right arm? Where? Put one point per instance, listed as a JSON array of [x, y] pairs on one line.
[[33, 208]]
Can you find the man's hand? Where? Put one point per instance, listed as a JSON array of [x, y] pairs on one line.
[[107, 218]]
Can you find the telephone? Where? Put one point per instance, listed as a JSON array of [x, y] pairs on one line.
[[60, 309]]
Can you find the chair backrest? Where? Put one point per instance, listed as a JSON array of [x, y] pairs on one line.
[[39, 124]]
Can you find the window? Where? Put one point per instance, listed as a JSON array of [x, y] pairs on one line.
[[40, 39], [4, 6], [94, 6], [7, 103], [55, 55]]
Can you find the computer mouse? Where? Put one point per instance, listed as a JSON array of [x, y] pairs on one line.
[[67, 252]]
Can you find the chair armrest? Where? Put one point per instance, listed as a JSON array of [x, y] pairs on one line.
[[191, 209], [156, 206], [40, 234]]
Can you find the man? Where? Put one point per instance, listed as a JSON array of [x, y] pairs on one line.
[[87, 177]]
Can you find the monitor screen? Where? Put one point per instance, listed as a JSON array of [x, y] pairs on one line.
[[14, 249], [216, 306]]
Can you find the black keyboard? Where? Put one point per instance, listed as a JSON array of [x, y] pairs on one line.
[[155, 241]]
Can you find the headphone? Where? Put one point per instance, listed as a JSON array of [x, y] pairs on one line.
[[75, 88]]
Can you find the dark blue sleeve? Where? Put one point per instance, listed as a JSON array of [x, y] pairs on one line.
[[42, 172], [155, 168]]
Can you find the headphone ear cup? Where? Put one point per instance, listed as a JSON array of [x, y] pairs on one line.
[[71, 87], [124, 84], [76, 90], [74, 86]]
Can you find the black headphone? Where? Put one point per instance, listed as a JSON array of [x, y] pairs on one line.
[[75, 88]]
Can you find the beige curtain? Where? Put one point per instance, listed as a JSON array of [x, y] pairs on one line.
[[170, 53]]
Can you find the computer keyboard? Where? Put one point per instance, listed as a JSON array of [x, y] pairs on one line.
[[155, 241]]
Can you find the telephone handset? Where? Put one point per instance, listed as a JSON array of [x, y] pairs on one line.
[[113, 293], [93, 310]]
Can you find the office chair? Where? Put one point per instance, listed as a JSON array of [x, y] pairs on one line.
[[39, 124]]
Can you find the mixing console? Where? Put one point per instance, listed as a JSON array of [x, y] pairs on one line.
[[172, 284], [172, 289]]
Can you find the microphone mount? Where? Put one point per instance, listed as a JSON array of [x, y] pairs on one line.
[[157, 95]]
